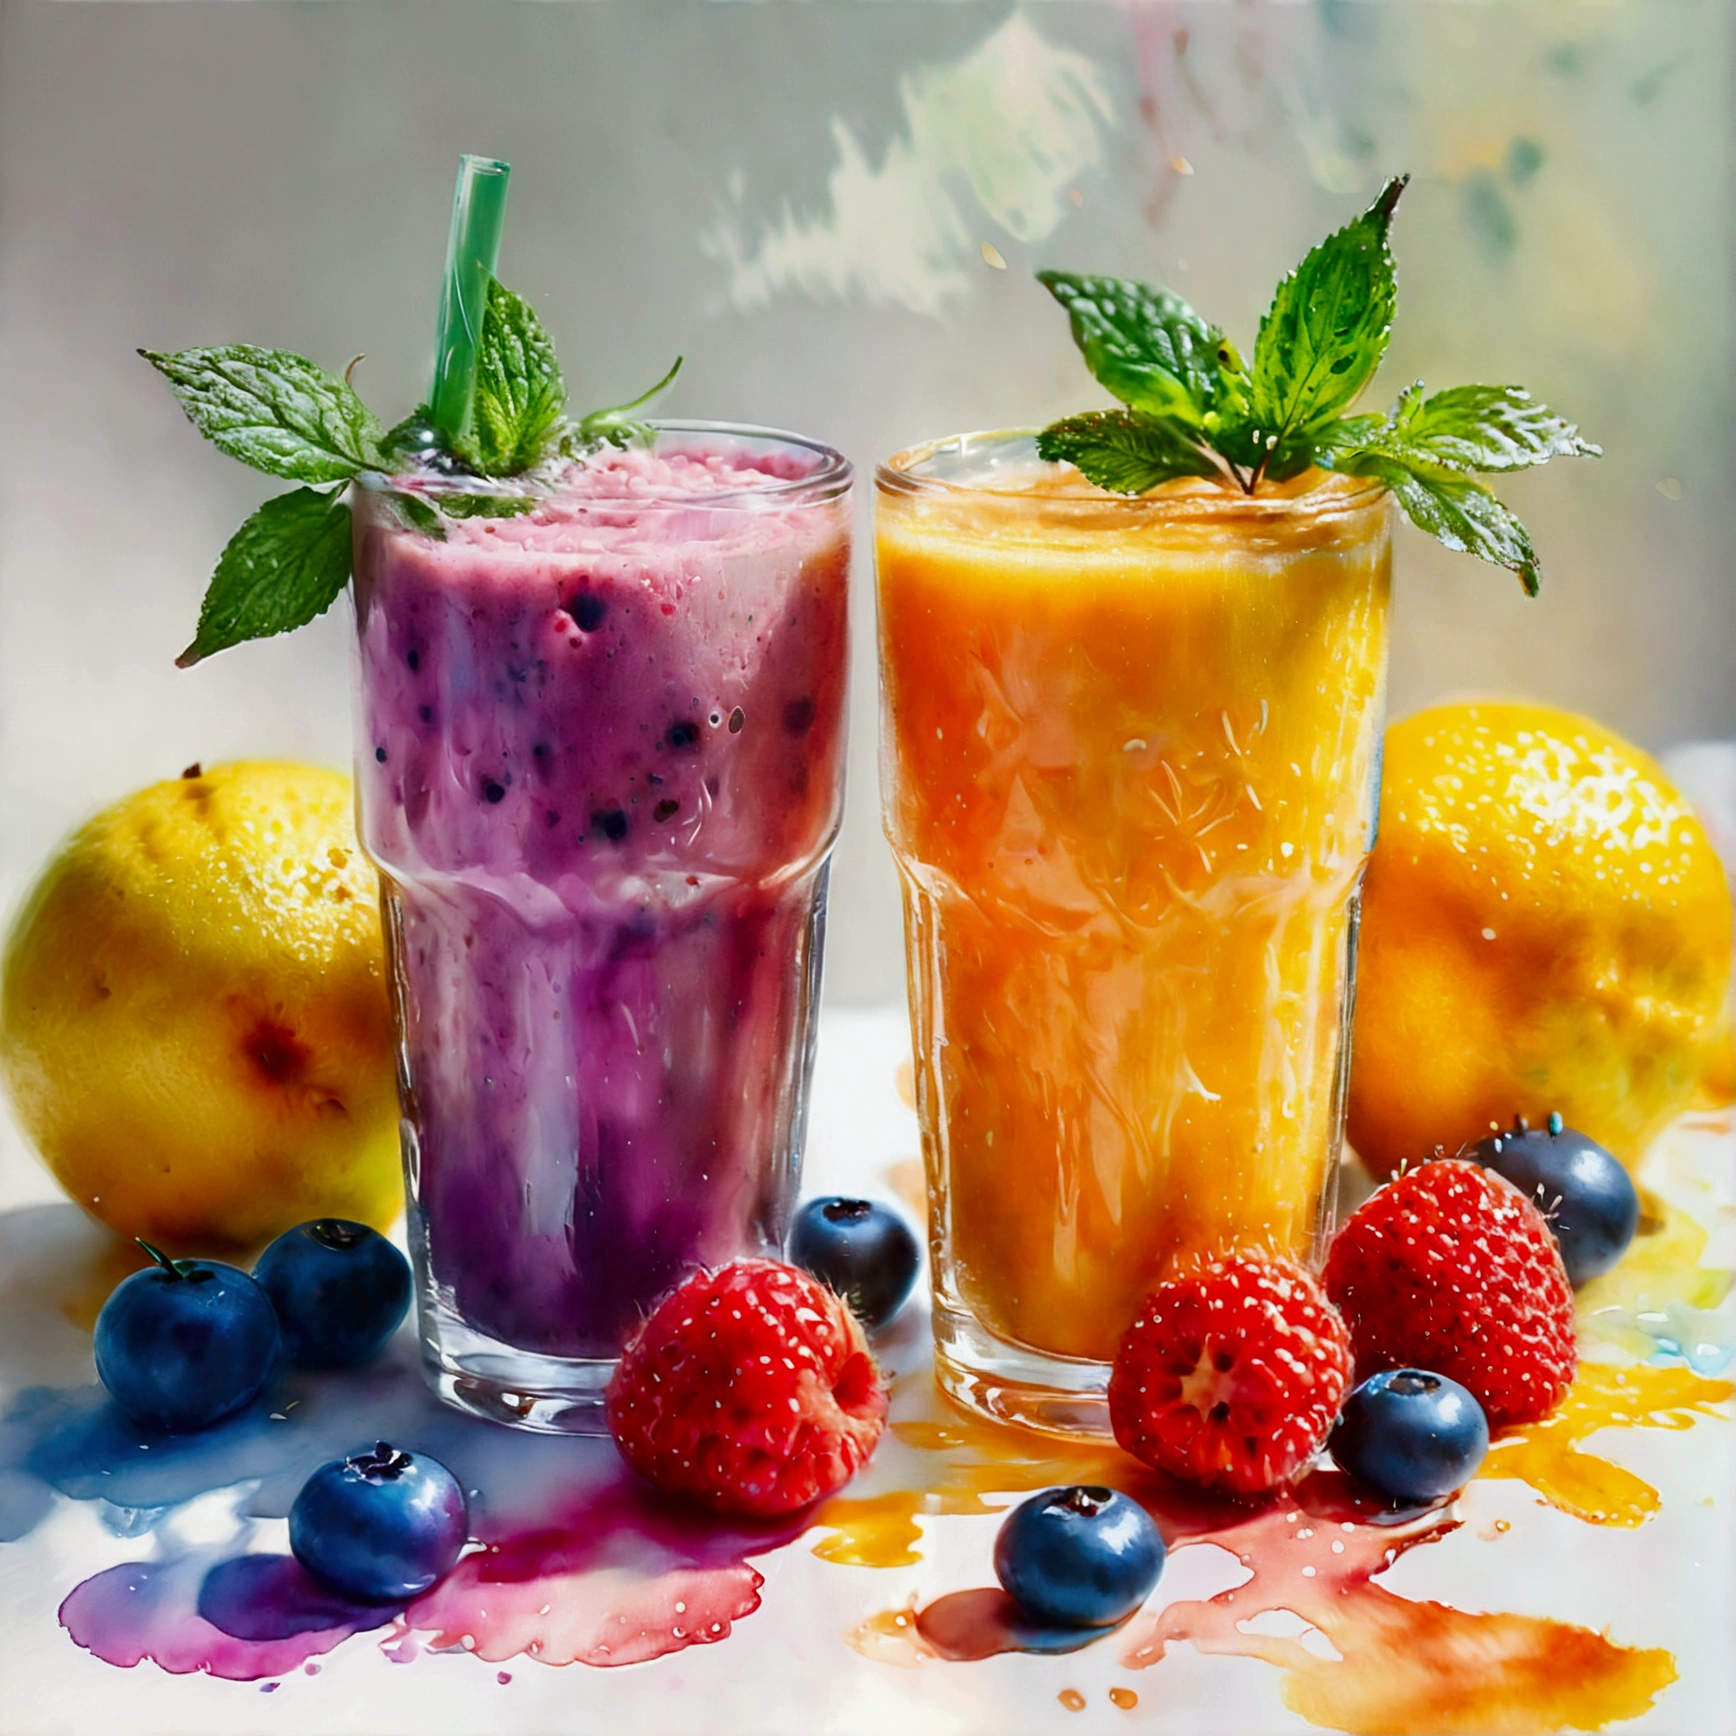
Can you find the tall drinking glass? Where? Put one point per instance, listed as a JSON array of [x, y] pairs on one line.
[[600, 768], [1130, 752]]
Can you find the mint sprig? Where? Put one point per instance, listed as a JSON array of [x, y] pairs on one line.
[[291, 418], [1194, 409], [288, 563]]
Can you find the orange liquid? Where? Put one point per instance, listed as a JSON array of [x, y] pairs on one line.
[[1128, 753], [1547, 1454]]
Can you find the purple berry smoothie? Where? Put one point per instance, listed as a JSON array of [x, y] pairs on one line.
[[600, 752]]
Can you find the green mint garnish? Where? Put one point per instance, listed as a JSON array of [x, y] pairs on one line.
[[288, 563], [291, 418], [1323, 336], [1127, 451], [1194, 409], [616, 426], [520, 395], [274, 410]]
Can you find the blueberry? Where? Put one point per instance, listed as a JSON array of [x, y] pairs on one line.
[[1413, 1436], [185, 1343], [1587, 1196], [864, 1251], [1079, 1557], [379, 1526], [339, 1289]]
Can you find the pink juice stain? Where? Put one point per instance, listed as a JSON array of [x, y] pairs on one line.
[[158, 1610], [625, 1579], [614, 1576]]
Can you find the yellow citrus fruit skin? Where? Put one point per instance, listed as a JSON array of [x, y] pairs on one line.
[[194, 1021], [1545, 928]]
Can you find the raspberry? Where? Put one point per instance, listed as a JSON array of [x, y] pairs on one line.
[[1450, 1268], [749, 1389], [1232, 1375]]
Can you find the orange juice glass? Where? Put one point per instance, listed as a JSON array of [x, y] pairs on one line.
[[1130, 754]]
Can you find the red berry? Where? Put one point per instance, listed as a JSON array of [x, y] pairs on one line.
[[1232, 1375], [1450, 1268], [749, 1389]]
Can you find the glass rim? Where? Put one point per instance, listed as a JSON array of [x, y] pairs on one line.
[[829, 480], [898, 476]]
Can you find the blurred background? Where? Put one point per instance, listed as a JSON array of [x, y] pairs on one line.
[[834, 209]]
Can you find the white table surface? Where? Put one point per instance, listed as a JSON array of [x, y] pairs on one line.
[[788, 1666]]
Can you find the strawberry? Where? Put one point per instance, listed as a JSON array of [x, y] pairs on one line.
[[749, 1389], [1450, 1268], [1232, 1375]]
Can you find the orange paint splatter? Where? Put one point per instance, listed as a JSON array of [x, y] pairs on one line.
[[1395, 1665], [1547, 1454], [904, 1081], [1072, 1699], [1401, 1668], [982, 1459], [890, 1637], [1125, 1698], [906, 1179], [1369, 1660]]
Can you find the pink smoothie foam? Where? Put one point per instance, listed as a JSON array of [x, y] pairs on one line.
[[600, 768]]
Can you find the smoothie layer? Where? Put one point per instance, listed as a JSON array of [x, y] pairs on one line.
[[1128, 770], [600, 764]]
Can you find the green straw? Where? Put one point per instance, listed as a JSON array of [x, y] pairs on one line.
[[472, 249]]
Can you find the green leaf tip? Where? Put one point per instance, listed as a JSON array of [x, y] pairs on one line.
[[1192, 408], [616, 425], [286, 565], [1384, 206]]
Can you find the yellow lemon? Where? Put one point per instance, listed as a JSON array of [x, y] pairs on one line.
[[1545, 927], [194, 1023]]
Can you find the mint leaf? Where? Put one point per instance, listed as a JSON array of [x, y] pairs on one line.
[[1348, 435], [1125, 451], [284, 566], [276, 411], [1456, 510], [456, 505], [1143, 344], [1492, 428], [414, 513], [1327, 328], [617, 424], [520, 395]]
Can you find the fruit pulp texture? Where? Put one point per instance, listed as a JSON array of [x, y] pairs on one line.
[[1130, 773], [600, 770]]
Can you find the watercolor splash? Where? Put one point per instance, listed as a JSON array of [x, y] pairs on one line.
[[1355, 1655], [1365, 1659], [1015, 121], [241, 1619], [577, 1563], [1548, 1456], [574, 1560], [1392, 1664], [600, 1571]]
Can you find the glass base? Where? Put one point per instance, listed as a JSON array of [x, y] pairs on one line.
[[554, 1395], [1011, 1383]]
